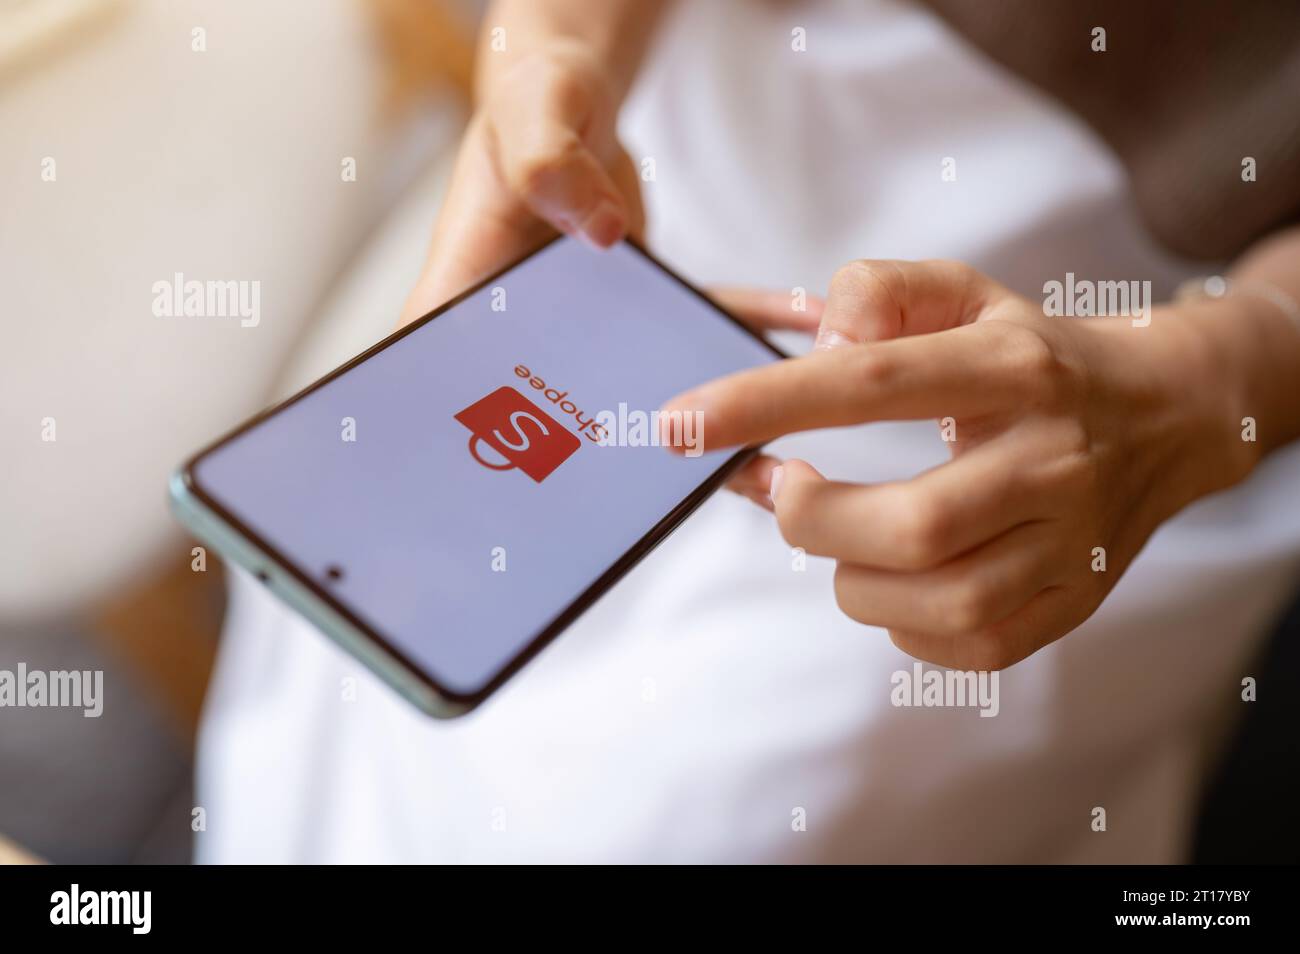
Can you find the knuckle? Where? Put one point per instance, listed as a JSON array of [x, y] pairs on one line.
[[576, 90], [969, 606], [958, 274], [557, 74], [537, 171], [1036, 360], [869, 284], [1084, 468], [848, 279], [1078, 442], [1072, 471], [566, 81], [1031, 352], [966, 273], [922, 526], [872, 366]]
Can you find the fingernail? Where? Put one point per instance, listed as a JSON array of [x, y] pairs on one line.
[[829, 338], [777, 473], [603, 227]]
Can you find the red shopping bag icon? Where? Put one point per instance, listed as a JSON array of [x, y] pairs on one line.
[[520, 432]]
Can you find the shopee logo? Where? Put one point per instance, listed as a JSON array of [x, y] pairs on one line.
[[520, 432]]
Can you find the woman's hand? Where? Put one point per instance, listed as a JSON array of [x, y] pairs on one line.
[[1072, 440], [539, 155]]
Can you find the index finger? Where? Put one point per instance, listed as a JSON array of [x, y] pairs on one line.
[[957, 372]]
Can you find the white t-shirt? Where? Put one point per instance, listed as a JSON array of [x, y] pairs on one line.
[[717, 705]]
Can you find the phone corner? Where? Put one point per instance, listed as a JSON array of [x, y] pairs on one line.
[[180, 496], [439, 707]]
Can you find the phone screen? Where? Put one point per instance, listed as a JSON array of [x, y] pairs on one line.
[[458, 489]]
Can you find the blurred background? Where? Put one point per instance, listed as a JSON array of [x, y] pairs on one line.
[[145, 138]]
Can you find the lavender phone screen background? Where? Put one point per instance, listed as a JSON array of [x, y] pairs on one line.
[[414, 521]]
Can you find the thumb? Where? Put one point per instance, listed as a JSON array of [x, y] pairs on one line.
[[791, 484], [555, 173], [876, 299]]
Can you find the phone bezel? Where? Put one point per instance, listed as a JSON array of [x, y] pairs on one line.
[[465, 701]]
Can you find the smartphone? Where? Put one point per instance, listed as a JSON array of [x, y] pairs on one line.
[[447, 502]]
